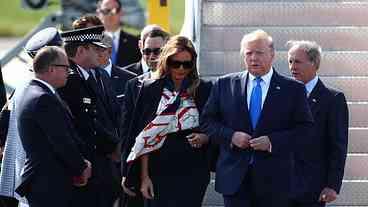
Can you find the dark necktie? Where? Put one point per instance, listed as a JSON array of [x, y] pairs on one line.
[[96, 82], [114, 50]]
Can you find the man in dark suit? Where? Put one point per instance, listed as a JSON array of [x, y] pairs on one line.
[[152, 38], [321, 162], [91, 99], [257, 117], [118, 76], [125, 49], [51, 145]]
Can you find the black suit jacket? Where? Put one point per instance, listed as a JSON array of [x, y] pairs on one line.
[[128, 51], [284, 118], [50, 144], [321, 161], [96, 120], [136, 68], [119, 78], [145, 106]]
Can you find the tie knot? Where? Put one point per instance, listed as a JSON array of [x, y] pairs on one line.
[[258, 80]]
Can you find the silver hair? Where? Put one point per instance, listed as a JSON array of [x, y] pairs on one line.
[[311, 48]]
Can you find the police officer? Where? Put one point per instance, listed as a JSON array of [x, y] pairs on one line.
[[89, 95]]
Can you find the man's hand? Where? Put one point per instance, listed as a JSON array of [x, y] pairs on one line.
[[197, 140], [241, 139], [126, 189], [87, 172], [327, 195], [262, 143], [82, 180]]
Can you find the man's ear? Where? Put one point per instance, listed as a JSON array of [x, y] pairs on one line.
[[140, 45]]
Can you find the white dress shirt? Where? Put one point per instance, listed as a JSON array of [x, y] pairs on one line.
[[265, 84], [310, 85]]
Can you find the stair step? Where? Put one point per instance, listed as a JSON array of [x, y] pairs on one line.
[[284, 13], [330, 38], [358, 140], [348, 63], [353, 193]]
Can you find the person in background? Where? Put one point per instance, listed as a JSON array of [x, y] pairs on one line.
[[144, 65], [14, 155], [321, 162], [169, 148], [51, 145], [125, 49], [257, 117]]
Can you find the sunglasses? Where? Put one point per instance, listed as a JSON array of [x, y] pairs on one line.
[[148, 51], [108, 12], [177, 64]]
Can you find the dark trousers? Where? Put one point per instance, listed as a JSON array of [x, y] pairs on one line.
[[249, 196], [312, 204], [8, 201]]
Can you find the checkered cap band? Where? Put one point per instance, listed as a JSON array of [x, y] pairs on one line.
[[84, 37]]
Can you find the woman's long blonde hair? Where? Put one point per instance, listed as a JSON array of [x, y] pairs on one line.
[[175, 45]]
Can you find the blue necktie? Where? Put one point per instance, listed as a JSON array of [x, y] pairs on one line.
[[114, 50], [255, 105]]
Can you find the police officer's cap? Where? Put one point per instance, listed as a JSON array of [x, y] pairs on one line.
[[92, 35], [46, 37]]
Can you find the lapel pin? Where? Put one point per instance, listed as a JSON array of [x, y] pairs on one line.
[[278, 87], [314, 100], [87, 100]]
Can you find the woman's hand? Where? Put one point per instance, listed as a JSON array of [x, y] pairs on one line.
[[126, 189], [147, 188], [197, 140]]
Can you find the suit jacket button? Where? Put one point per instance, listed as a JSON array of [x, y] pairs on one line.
[[86, 110]]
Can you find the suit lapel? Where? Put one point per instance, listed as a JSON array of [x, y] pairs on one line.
[[315, 96], [241, 96], [271, 97]]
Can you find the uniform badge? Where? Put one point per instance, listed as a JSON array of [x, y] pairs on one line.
[[87, 100]]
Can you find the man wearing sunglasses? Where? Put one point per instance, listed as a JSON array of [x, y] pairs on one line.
[[125, 49], [153, 37]]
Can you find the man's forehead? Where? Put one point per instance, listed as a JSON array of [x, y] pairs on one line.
[[109, 4]]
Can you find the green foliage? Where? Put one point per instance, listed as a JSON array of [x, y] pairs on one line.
[[16, 21]]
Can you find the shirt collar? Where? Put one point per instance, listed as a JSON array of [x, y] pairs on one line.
[[108, 68], [116, 34], [311, 84], [46, 84], [84, 72], [266, 78], [145, 67]]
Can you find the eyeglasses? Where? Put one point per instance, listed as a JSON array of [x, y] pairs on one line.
[[177, 64], [148, 51], [108, 12], [66, 67]]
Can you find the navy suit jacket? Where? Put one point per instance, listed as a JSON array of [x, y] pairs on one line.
[[136, 68], [284, 118], [51, 145], [128, 51], [321, 162], [119, 78]]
